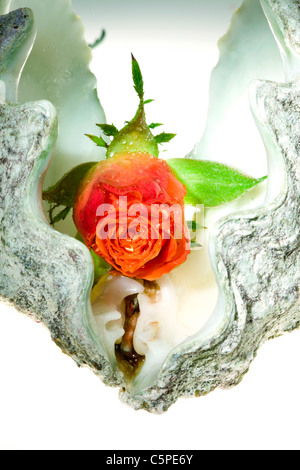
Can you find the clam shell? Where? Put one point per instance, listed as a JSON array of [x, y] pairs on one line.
[[58, 70], [254, 254]]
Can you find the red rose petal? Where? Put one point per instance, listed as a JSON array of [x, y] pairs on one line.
[[144, 179]]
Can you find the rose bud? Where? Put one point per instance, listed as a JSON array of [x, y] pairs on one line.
[[129, 210]]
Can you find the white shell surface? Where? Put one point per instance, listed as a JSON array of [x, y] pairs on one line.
[[108, 311], [58, 70], [248, 51]]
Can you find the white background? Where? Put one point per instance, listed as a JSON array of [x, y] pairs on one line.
[[46, 402]]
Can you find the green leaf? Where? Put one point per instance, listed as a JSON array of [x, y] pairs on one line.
[[195, 245], [63, 192], [136, 136], [211, 183], [109, 130], [164, 138], [192, 225], [60, 216], [137, 78], [98, 40], [101, 267], [97, 140], [148, 101]]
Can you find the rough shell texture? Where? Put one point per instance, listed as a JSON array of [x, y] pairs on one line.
[[286, 14], [44, 273], [255, 254], [283, 17], [14, 27], [18, 33], [61, 75], [58, 70], [257, 261]]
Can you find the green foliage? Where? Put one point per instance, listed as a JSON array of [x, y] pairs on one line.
[[136, 135], [60, 216], [97, 140], [63, 192], [211, 183], [192, 225], [164, 138], [109, 130], [101, 267], [137, 78], [98, 40]]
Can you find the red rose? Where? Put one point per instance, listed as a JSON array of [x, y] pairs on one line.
[[130, 210]]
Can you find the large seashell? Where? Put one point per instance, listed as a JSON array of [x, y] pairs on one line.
[[62, 76], [254, 253]]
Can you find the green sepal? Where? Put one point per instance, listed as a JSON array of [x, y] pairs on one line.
[[164, 138], [101, 267], [192, 225], [109, 130], [60, 216], [137, 78], [98, 40], [97, 140], [136, 136], [195, 245], [211, 183], [63, 193]]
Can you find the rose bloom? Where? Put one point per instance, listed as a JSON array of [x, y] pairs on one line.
[[130, 210]]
